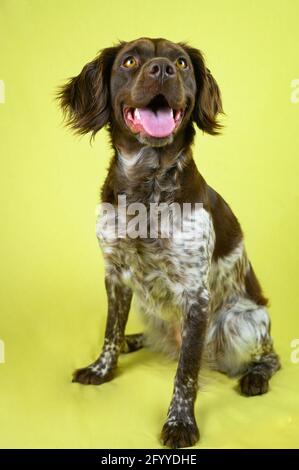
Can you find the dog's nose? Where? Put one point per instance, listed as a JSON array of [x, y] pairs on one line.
[[161, 69]]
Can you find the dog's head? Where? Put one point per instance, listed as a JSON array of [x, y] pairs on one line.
[[149, 89]]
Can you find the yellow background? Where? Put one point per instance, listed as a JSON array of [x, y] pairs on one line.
[[53, 303]]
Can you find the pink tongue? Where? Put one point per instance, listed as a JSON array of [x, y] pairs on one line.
[[157, 124]]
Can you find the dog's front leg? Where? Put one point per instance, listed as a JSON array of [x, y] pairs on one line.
[[180, 429], [119, 301]]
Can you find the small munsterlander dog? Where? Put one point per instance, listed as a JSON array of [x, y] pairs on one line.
[[196, 290]]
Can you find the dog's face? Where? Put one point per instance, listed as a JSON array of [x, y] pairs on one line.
[[153, 90], [148, 89]]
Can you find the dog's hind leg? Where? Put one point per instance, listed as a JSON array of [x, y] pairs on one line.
[[239, 344], [133, 343], [255, 380]]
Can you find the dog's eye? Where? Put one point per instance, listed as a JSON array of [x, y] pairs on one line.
[[130, 62], [181, 63]]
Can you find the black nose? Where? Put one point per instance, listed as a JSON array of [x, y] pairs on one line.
[[161, 69]]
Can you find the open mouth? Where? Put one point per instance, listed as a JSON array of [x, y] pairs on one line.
[[158, 119]]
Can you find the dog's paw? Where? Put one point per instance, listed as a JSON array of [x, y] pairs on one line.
[[253, 383], [91, 376], [176, 434], [133, 343]]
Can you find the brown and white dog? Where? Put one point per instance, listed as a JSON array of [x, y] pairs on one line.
[[197, 291]]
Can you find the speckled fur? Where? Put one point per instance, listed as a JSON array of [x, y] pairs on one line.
[[164, 273]]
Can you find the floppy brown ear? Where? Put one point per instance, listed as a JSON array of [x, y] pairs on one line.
[[208, 103], [85, 99]]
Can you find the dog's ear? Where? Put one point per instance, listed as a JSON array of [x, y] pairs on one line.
[[208, 103], [85, 99]]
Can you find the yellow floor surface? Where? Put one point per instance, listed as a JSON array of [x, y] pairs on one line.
[[52, 297]]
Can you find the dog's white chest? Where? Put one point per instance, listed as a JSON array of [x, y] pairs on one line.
[[162, 272]]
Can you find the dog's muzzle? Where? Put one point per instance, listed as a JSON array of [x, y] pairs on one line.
[[157, 119]]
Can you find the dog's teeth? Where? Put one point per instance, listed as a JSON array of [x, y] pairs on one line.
[[177, 115], [137, 114]]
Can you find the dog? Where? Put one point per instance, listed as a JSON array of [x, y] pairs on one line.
[[197, 291]]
